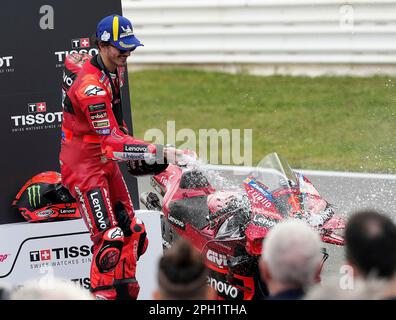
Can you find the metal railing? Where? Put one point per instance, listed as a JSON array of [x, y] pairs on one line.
[[272, 34]]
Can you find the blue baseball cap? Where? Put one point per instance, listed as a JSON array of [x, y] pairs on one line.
[[118, 31]]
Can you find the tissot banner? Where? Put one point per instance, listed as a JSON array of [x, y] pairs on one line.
[[36, 37]]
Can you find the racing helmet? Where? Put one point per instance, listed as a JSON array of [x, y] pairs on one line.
[[43, 198]]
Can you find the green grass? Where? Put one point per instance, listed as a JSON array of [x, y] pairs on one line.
[[331, 123]]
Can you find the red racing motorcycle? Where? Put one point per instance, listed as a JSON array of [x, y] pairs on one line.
[[228, 225]]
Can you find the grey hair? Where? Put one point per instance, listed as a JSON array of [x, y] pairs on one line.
[[292, 252]]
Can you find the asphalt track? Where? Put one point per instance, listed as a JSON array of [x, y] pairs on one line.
[[348, 192]]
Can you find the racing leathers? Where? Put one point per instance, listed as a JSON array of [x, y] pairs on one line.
[[93, 136]]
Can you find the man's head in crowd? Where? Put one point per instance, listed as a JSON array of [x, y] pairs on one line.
[[291, 257], [182, 274], [370, 241]]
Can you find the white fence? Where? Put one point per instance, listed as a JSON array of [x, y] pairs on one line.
[[267, 37]]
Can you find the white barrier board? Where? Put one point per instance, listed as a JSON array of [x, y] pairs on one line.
[[63, 249]]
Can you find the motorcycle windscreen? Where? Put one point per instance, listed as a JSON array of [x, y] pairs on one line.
[[275, 173], [275, 180]]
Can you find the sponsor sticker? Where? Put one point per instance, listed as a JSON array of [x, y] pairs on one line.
[[67, 211], [219, 259], [259, 188], [99, 116], [92, 90], [98, 207], [96, 107], [101, 124], [176, 222], [103, 132], [34, 195], [131, 156], [45, 213], [135, 148], [224, 289], [115, 233], [262, 221]]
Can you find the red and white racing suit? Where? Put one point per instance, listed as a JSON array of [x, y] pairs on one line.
[[91, 136]]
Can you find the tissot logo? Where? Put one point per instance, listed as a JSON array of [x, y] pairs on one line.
[[80, 43], [41, 255], [6, 64], [61, 55], [83, 282], [60, 253], [5, 61], [37, 107], [45, 255], [38, 118]]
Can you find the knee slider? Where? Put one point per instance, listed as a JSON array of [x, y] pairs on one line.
[[110, 251]]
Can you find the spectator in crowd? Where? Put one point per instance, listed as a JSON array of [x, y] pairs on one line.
[[291, 259], [51, 289], [182, 274], [370, 241], [333, 289]]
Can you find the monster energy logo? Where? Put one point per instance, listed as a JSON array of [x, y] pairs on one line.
[[34, 195]]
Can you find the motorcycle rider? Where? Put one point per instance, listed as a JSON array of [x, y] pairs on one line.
[[93, 136]]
